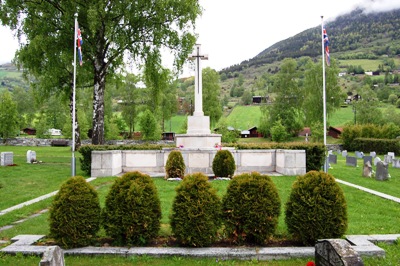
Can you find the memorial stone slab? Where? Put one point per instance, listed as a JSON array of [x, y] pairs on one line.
[[7, 158], [373, 154], [330, 152], [332, 158], [30, 156], [391, 154], [396, 163], [367, 159], [382, 173], [359, 154], [376, 160], [367, 171], [351, 161], [336, 252], [53, 256], [387, 159], [344, 153]]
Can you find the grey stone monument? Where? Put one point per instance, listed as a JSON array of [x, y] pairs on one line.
[[387, 158], [351, 161], [7, 158], [332, 158], [396, 163], [373, 154], [344, 153], [382, 173], [30, 156], [336, 252], [359, 154], [367, 159], [367, 171], [53, 256], [376, 160], [391, 154]]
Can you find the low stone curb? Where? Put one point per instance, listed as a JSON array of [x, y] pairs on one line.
[[363, 244]]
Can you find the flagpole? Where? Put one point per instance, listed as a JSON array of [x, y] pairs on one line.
[[323, 87], [73, 164]]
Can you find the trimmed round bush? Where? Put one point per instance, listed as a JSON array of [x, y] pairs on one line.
[[132, 210], [316, 208], [175, 166], [223, 164], [75, 214], [196, 212], [251, 208]]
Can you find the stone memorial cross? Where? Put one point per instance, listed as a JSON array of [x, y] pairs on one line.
[[198, 93]]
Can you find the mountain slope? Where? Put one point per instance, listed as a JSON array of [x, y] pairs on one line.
[[369, 35]]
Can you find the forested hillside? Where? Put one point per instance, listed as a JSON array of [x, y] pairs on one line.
[[356, 35]]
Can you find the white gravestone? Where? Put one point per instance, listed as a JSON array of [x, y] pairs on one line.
[[376, 160], [53, 256], [7, 158], [30, 156]]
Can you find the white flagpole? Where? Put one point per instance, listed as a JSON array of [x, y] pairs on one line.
[[324, 89], [73, 171]]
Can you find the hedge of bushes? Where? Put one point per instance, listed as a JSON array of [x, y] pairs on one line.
[[369, 131], [248, 211], [380, 146]]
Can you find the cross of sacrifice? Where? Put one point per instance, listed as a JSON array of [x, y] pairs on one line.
[[198, 93]]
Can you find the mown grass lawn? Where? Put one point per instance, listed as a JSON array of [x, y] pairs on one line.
[[368, 214]]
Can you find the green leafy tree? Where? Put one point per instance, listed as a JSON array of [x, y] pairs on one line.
[[211, 92], [25, 101], [130, 102], [149, 126], [247, 98], [278, 132], [313, 84], [392, 98], [8, 116], [289, 98], [110, 29], [169, 104]]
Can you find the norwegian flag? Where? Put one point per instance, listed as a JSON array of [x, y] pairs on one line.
[[79, 44], [326, 45]]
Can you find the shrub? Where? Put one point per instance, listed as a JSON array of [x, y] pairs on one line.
[[250, 208], [196, 212], [75, 213], [316, 208], [223, 164], [175, 166], [132, 210]]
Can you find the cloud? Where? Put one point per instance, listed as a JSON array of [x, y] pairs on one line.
[[371, 6]]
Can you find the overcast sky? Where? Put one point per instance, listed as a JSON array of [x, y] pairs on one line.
[[231, 31]]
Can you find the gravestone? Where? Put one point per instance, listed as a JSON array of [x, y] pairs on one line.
[[330, 152], [344, 153], [332, 158], [376, 160], [30, 156], [351, 161], [367, 171], [387, 158], [359, 154], [391, 154], [373, 154], [382, 173], [396, 163], [336, 252], [53, 256], [367, 159], [7, 158]]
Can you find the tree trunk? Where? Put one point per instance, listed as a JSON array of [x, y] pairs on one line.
[[77, 130], [98, 104]]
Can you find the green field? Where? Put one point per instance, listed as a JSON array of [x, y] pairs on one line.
[[244, 117]]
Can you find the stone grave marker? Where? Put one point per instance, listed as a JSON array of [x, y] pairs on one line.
[[396, 163], [332, 158], [382, 173], [387, 158], [344, 153], [359, 154], [391, 154], [336, 252], [7, 158], [367, 171], [367, 159], [53, 256], [373, 154], [30, 156], [376, 160], [351, 161], [330, 152]]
